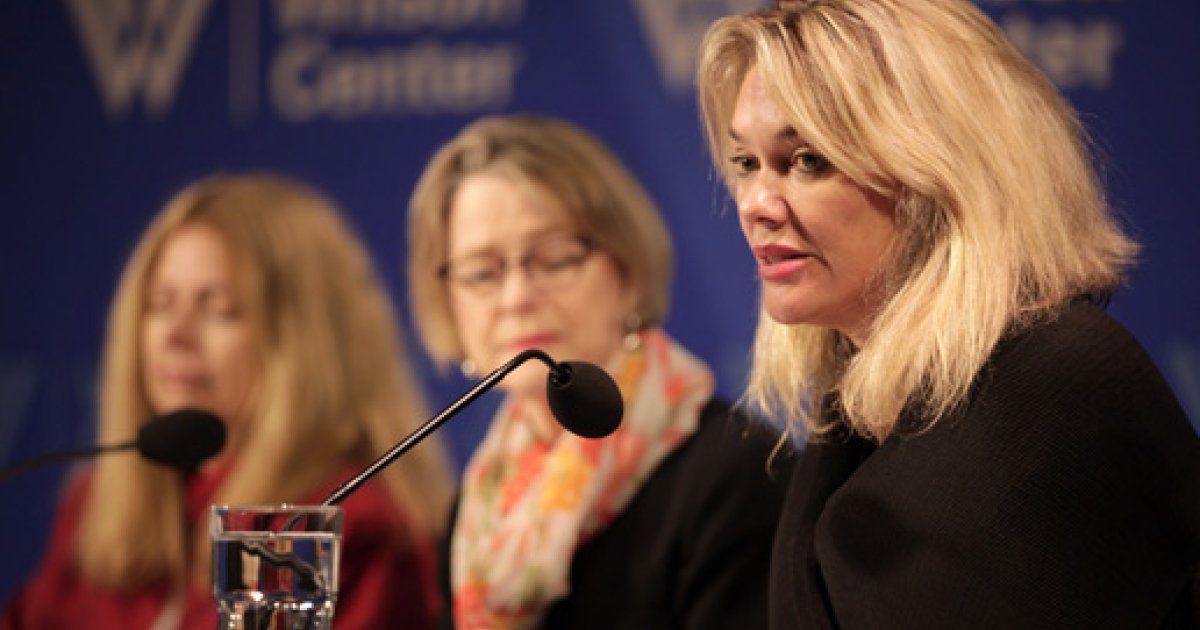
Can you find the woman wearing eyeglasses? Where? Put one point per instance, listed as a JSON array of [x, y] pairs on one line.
[[527, 233]]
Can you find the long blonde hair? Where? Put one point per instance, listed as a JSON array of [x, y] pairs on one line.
[[605, 201], [334, 388], [1000, 213]]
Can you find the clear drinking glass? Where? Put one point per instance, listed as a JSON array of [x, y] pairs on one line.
[[275, 567]]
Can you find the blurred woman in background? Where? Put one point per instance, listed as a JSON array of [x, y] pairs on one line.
[[247, 296], [528, 233]]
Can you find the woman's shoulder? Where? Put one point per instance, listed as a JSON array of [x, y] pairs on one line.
[[1078, 365], [370, 513], [55, 576], [1072, 461], [728, 422], [1075, 400], [728, 437], [1068, 402], [1078, 339], [73, 499], [732, 457], [387, 567]]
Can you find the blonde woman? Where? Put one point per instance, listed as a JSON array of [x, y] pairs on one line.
[[527, 232], [250, 297], [988, 449]]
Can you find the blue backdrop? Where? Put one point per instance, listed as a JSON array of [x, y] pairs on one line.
[[109, 106]]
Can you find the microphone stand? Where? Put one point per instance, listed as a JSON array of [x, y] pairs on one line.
[[180, 439], [558, 374], [17, 468]]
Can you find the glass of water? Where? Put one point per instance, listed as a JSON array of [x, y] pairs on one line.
[[275, 567]]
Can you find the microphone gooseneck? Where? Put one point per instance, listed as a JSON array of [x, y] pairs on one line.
[[17, 468], [181, 439], [583, 398]]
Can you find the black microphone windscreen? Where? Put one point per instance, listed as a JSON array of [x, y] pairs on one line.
[[182, 439], [588, 403]]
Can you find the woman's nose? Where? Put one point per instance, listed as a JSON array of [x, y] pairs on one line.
[[762, 201], [181, 326], [517, 288]]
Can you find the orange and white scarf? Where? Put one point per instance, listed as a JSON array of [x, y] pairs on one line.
[[527, 503]]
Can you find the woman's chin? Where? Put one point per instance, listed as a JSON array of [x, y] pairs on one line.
[[787, 314], [527, 381]]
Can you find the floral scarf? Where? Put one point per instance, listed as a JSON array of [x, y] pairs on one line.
[[528, 503]]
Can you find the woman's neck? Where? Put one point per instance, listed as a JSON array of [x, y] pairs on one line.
[[541, 421]]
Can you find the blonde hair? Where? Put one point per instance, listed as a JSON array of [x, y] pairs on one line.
[[333, 390], [1000, 213], [601, 197]]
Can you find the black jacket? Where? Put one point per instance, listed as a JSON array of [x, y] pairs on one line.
[[1064, 494], [692, 549]]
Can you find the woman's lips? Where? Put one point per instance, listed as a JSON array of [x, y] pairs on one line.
[[540, 341], [778, 262], [181, 379]]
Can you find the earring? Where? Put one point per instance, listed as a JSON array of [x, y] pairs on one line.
[[633, 338], [468, 368]]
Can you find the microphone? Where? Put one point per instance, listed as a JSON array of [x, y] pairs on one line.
[[181, 439], [582, 396]]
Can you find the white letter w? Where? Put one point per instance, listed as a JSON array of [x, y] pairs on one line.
[[137, 45]]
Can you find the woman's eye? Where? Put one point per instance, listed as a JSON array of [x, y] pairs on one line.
[[809, 162], [742, 164], [224, 312], [157, 304], [559, 262], [479, 276]]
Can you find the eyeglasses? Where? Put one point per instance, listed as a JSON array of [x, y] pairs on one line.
[[549, 264]]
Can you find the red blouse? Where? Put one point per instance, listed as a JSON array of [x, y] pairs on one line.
[[387, 580]]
